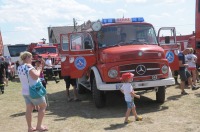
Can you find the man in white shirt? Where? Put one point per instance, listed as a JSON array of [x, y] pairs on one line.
[[49, 69]]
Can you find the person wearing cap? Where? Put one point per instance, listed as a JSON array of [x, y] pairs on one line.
[[183, 71], [49, 69], [129, 94], [176, 71]]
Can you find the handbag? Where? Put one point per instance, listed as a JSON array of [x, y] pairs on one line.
[[37, 90]]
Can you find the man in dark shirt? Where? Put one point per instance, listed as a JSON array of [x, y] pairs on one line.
[[2, 75], [184, 73]]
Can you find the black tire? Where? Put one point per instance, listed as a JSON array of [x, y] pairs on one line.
[[99, 97], [160, 94], [81, 89]]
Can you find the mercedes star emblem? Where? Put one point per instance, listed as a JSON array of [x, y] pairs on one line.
[[140, 69]]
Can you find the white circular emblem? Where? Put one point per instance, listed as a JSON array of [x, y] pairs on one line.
[[141, 69], [80, 63]]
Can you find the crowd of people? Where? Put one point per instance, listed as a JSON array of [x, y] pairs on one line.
[[188, 72]]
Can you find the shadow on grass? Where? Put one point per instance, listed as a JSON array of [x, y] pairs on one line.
[[198, 95], [115, 126], [18, 114], [115, 106]]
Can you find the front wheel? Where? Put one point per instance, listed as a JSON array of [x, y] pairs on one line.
[[99, 97], [160, 94]]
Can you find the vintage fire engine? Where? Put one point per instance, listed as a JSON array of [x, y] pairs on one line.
[[194, 41], [44, 50], [101, 54]]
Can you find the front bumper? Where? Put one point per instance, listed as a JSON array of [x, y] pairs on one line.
[[137, 85]]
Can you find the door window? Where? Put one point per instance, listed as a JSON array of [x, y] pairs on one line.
[[81, 41]]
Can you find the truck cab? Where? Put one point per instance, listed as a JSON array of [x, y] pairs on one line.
[[99, 56], [44, 50]]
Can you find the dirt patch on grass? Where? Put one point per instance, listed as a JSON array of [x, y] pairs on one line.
[[178, 113]]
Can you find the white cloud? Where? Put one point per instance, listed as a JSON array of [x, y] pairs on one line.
[[103, 1], [135, 1], [121, 11], [22, 28]]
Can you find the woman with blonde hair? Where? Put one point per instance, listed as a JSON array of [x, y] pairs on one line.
[[191, 60], [29, 76]]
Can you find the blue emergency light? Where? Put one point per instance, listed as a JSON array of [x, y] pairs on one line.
[[108, 20], [121, 20]]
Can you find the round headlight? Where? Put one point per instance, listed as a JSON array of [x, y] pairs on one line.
[[112, 73], [140, 53], [63, 58], [159, 54], [164, 69]]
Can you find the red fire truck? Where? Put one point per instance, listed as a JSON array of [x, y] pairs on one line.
[[45, 50], [194, 41], [101, 54]]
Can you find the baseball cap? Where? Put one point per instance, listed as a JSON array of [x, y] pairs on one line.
[[126, 76]]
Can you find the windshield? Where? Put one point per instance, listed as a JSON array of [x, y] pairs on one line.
[[126, 34], [45, 50], [15, 50]]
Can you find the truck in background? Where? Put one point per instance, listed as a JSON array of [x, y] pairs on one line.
[[194, 41], [13, 51], [98, 59], [45, 50]]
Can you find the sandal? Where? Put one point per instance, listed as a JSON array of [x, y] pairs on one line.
[[42, 129], [139, 118], [32, 129], [127, 122]]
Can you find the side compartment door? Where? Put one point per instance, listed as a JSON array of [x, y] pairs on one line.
[[64, 54], [81, 54], [167, 40]]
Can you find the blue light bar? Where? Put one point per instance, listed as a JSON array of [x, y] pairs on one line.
[[122, 20], [109, 20], [137, 19]]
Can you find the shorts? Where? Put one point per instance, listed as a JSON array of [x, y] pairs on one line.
[[69, 81], [191, 68], [184, 75], [38, 101], [130, 105]]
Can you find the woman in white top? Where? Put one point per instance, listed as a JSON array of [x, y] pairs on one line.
[[29, 76], [191, 60]]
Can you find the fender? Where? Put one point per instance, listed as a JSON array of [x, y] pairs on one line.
[[170, 73], [97, 76]]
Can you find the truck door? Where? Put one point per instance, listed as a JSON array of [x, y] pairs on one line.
[[167, 40], [64, 54], [81, 54]]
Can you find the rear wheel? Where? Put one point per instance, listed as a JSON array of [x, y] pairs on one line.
[[160, 94], [98, 96]]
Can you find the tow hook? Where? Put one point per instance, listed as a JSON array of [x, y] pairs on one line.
[[156, 89]]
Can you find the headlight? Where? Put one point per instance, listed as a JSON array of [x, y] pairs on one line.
[[159, 54], [63, 58], [112, 73], [164, 69]]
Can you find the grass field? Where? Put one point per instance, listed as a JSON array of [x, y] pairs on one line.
[[178, 113]]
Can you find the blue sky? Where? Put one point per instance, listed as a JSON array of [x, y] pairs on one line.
[[26, 21]]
